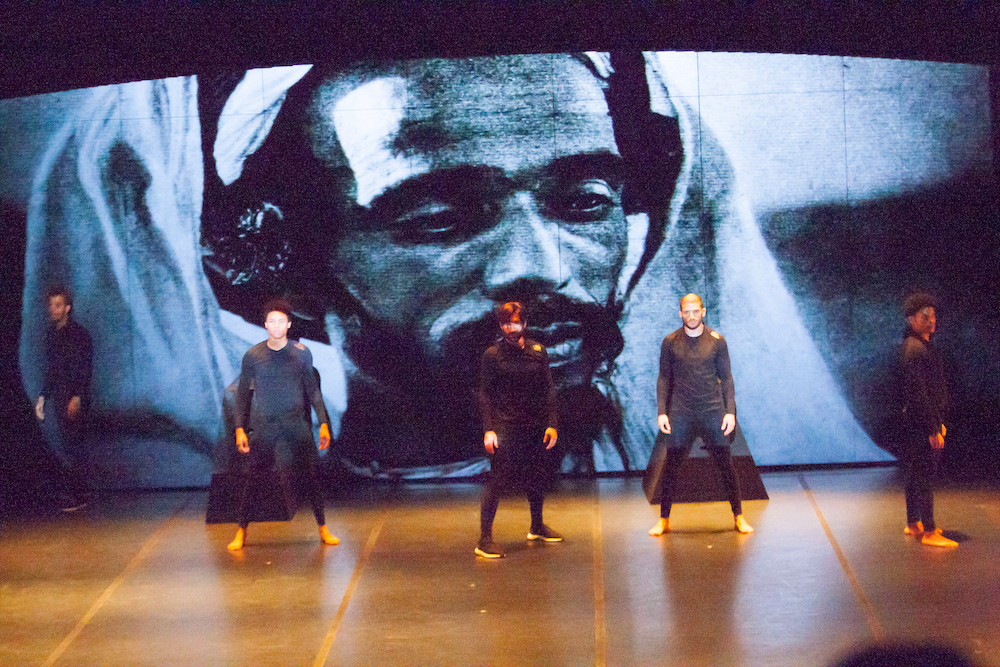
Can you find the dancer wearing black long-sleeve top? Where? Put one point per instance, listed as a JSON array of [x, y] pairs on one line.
[[924, 398], [695, 395], [518, 402], [277, 387]]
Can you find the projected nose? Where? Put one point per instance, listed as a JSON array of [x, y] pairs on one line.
[[529, 246]]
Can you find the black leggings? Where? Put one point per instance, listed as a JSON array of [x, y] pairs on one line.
[[261, 461], [491, 500], [521, 463], [684, 429], [72, 433], [918, 462]]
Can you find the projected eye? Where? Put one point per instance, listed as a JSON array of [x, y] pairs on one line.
[[580, 201], [440, 222]]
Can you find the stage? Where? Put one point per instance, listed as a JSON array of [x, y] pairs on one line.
[[141, 579]]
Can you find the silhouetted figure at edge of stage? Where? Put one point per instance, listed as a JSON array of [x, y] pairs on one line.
[[905, 654], [276, 380], [924, 396], [519, 407], [65, 394], [695, 389]]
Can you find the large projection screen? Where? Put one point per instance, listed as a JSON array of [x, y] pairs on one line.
[[396, 204]]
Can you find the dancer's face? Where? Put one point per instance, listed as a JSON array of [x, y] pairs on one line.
[[692, 313], [277, 325], [512, 331], [58, 310], [924, 322]]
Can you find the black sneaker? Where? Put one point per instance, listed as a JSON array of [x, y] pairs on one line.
[[487, 548], [545, 533]]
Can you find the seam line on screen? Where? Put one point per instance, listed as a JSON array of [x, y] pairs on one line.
[[843, 99]]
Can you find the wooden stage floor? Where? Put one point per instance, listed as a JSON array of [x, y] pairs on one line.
[[142, 579]]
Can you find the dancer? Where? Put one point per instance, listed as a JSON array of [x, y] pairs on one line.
[[924, 398], [65, 393], [518, 401], [277, 385], [695, 390]]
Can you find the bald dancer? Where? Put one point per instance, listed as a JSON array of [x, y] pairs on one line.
[[695, 396]]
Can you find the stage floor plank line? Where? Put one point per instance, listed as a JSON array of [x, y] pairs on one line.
[[331, 636], [920, 592], [600, 629], [992, 512], [147, 548], [404, 587], [878, 633]]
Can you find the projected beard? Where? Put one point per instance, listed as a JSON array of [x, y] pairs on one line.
[[447, 187]]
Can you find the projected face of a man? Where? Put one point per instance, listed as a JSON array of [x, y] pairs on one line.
[[480, 182]]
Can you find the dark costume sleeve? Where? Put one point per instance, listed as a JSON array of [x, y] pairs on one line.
[[69, 362], [725, 372], [244, 392], [81, 366], [49, 378], [313, 391], [551, 398], [919, 406], [486, 372], [664, 381]]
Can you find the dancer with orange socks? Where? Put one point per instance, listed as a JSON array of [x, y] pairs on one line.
[[695, 395], [277, 386], [924, 398]]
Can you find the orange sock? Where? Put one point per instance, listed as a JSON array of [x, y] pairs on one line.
[[326, 537], [237, 542]]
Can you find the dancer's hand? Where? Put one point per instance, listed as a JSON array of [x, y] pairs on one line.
[[490, 442], [664, 423], [40, 408], [242, 443], [324, 436], [728, 424], [550, 438]]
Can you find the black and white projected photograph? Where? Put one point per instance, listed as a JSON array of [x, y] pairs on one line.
[[396, 205]]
